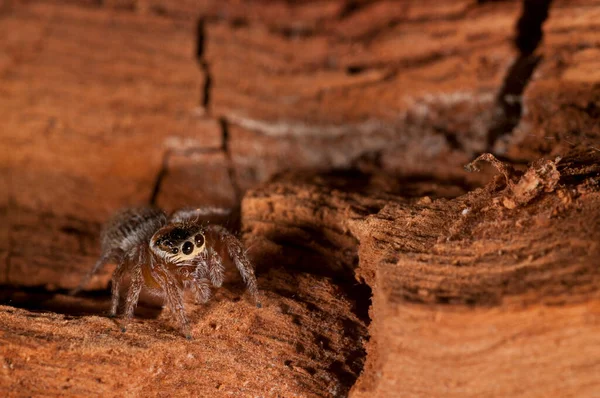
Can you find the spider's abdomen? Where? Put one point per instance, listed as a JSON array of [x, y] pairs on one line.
[[132, 227]]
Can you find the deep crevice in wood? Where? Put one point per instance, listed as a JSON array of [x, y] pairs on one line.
[[200, 57], [509, 101], [160, 176], [351, 7], [230, 166], [529, 27]]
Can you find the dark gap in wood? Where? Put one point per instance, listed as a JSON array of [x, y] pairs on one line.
[[509, 101], [351, 7], [207, 86], [200, 57], [87, 302], [230, 167], [9, 253], [529, 26], [200, 39], [509, 104], [162, 172], [355, 70], [450, 137]]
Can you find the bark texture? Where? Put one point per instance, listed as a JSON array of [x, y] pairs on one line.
[[342, 128]]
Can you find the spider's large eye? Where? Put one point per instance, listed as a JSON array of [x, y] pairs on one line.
[[199, 240], [187, 248]]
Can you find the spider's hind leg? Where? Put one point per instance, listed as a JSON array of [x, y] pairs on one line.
[[104, 259], [116, 286]]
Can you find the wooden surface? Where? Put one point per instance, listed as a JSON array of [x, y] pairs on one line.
[[467, 292], [342, 128]]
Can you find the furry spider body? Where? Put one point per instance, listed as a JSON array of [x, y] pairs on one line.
[[168, 255]]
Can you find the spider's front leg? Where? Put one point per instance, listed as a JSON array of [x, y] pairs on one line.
[[236, 251], [173, 295], [197, 280]]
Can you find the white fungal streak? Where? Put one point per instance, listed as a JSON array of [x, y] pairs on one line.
[[193, 214], [453, 98], [414, 106], [284, 128], [465, 211], [182, 143]]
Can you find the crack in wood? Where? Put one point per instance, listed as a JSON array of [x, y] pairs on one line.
[[164, 168], [351, 7], [160, 176], [200, 50], [7, 263], [230, 166], [509, 100]]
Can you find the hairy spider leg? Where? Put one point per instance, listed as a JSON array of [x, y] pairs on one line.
[[202, 289], [116, 285], [238, 256], [198, 282], [137, 283], [216, 268], [173, 294], [105, 258]]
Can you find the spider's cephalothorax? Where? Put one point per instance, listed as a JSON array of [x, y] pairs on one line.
[[168, 255]]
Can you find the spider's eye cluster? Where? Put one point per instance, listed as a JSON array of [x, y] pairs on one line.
[[179, 245], [187, 248]]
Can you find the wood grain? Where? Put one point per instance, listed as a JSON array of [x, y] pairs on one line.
[[343, 127]]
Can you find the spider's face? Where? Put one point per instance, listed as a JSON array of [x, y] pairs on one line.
[[178, 243]]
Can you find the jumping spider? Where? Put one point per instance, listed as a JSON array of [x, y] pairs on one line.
[[168, 255]]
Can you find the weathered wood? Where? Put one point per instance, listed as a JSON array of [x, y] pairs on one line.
[[561, 102], [470, 296], [490, 291], [92, 103], [91, 100], [305, 341], [410, 94]]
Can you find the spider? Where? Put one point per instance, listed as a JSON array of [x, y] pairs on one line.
[[168, 255]]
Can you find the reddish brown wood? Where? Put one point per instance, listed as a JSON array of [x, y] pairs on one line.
[[358, 116]]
